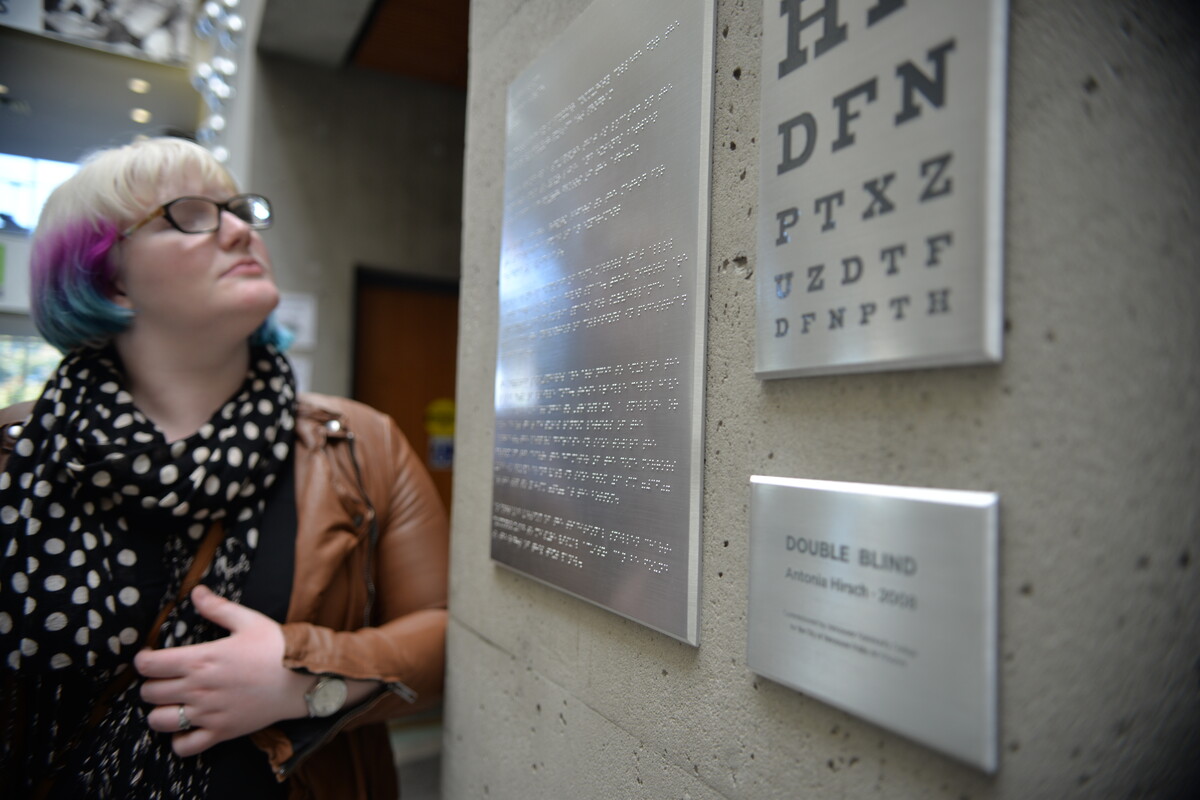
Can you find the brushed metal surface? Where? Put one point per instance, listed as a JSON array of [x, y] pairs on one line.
[[880, 221], [600, 355], [882, 601]]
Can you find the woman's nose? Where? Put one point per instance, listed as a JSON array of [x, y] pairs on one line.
[[233, 228]]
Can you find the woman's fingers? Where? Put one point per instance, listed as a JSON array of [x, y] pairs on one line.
[[170, 718], [164, 691], [195, 741], [188, 735]]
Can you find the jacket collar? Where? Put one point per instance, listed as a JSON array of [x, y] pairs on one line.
[[318, 422]]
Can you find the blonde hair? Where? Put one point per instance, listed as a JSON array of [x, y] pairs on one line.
[[119, 185]]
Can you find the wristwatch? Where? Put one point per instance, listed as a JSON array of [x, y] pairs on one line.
[[326, 697]]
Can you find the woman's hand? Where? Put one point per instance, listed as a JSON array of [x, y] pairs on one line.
[[229, 687]]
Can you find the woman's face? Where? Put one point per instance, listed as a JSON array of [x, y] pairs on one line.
[[215, 285]]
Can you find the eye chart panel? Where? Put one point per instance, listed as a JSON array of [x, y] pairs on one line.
[[600, 356], [880, 227]]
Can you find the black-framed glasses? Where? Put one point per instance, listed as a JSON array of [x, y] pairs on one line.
[[201, 215]]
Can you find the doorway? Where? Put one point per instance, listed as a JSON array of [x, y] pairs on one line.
[[405, 355]]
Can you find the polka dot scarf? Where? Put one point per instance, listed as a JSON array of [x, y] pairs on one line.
[[88, 476]]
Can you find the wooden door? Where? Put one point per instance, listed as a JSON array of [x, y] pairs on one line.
[[405, 351]]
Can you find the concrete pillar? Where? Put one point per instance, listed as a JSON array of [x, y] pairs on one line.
[[1088, 431]]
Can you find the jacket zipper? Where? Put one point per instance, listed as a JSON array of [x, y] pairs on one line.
[[403, 690], [372, 533]]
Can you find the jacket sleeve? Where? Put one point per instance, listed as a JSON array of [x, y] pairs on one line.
[[404, 643]]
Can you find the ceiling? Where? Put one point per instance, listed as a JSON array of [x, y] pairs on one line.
[[64, 100], [423, 39]]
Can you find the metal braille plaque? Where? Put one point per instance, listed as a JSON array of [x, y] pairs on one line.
[[881, 188], [600, 361], [882, 601]]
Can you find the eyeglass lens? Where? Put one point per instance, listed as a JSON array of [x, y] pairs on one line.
[[200, 215]]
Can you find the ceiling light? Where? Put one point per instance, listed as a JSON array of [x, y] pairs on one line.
[[139, 86], [140, 115], [3, 89]]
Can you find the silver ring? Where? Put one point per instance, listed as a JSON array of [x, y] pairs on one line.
[[185, 724]]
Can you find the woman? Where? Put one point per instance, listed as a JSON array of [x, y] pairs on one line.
[[170, 450]]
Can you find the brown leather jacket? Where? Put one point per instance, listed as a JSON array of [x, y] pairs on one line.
[[368, 597]]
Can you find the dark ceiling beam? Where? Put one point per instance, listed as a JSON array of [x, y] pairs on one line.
[[424, 39], [316, 31]]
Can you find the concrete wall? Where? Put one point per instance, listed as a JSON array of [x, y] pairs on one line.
[[363, 169], [1088, 431]]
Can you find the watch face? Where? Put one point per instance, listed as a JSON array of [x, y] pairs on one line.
[[326, 697]]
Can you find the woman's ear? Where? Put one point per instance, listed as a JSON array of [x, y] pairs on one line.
[[116, 293]]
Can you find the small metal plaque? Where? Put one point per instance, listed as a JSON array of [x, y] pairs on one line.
[[880, 226], [882, 601], [600, 356]]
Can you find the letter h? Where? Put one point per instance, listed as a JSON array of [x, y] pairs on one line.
[[834, 34]]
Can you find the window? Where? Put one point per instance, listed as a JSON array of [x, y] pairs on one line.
[[26, 363], [26, 360], [25, 183]]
